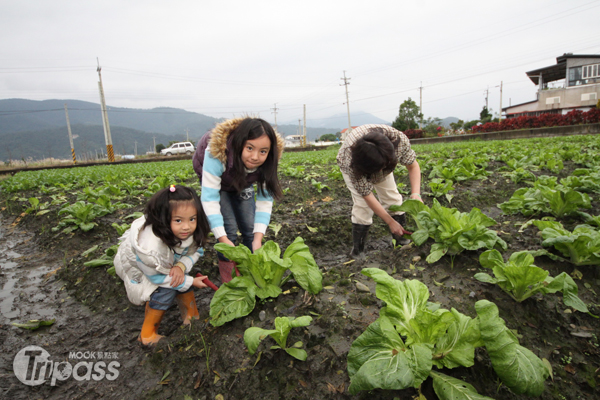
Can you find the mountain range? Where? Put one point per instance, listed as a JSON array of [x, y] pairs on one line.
[[32, 129]]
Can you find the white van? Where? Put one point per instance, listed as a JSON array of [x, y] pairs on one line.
[[178, 148]]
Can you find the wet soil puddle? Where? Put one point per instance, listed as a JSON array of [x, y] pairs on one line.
[[22, 277]]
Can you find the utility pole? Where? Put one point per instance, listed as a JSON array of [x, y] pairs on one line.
[[346, 83], [300, 128], [487, 92], [420, 102], [275, 112], [70, 135], [154, 144], [304, 133], [107, 137], [500, 110]]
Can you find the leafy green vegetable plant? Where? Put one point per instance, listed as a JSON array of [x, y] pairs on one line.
[[318, 185], [283, 325], [262, 275], [583, 180], [120, 228], [107, 259], [107, 206], [593, 220], [335, 174], [580, 247], [519, 175], [411, 335], [452, 230], [39, 209], [559, 201], [521, 279], [440, 187], [80, 215], [457, 170], [525, 162]]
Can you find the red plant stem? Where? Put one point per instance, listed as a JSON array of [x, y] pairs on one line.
[[209, 283]]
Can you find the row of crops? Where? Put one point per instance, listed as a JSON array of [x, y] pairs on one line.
[[411, 334]]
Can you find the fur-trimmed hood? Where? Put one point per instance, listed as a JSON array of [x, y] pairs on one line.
[[218, 139]]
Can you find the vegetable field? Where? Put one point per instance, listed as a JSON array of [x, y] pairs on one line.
[[495, 297]]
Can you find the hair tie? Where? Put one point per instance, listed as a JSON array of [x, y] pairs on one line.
[[172, 188]]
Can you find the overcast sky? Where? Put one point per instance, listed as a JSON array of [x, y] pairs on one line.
[[224, 58]]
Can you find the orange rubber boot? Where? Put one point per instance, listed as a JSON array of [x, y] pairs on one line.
[[187, 306], [225, 270], [152, 318]]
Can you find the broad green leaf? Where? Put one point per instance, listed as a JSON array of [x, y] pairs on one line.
[[306, 272], [233, 300], [34, 324], [565, 284], [521, 370], [87, 226], [490, 259], [403, 298], [438, 250], [456, 348], [523, 280], [449, 388], [299, 354], [483, 277], [98, 262], [283, 325], [253, 336], [90, 250], [427, 326], [240, 254], [378, 359], [268, 291]]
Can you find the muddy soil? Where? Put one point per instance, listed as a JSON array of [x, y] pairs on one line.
[[43, 277]]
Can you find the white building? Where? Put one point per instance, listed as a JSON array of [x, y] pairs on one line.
[[293, 140], [572, 84]]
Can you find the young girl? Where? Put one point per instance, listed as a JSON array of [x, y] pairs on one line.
[[367, 160], [157, 253], [231, 158]]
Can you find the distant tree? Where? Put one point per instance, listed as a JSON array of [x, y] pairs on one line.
[[408, 116], [328, 137], [485, 115], [469, 124], [339, 134], [159, 147], [457, 125], [431, 125]]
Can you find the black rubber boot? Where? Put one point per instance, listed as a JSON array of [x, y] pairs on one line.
[[400, 241], [359, 238]]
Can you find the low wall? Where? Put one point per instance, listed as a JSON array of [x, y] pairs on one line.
[[588, 129]]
